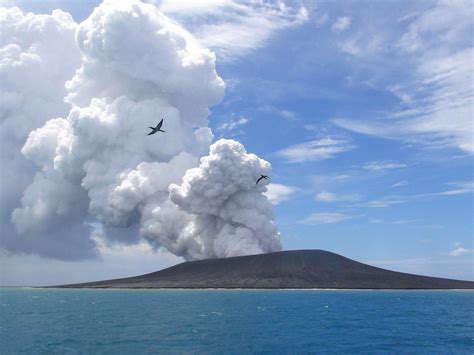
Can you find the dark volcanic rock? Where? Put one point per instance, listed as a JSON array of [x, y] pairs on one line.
[[286, 269]]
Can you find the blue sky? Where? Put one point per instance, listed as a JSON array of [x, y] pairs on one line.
[[403, 197], [364, 110]]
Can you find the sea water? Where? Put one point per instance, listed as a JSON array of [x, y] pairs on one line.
[[52, 321]]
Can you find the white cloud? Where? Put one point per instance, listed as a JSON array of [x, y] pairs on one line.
[[437, 47], [400, 183], [289, 115], [32, 77], [460, 189], [376, 221], [326, 196], [362, 46], [234, 28], [96, 161], [350, 46], [277, 193], [382, 203], [231, 125], [322, 180], [382, 166], [315, 150], [398, 91], [447, 117], [342, 24], [459, 250], [443, 25], [224, 211], [324, 218], [380, 129], [396, 222], [286, 114]]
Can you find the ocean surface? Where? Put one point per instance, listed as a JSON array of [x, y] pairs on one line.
[[47, 321]]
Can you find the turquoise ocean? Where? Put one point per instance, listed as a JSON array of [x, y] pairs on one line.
[[60, 321]]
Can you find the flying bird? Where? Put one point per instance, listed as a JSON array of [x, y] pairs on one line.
[[261, 177], [156, 129]]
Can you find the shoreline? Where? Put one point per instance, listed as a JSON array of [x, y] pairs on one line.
[[226, 289]]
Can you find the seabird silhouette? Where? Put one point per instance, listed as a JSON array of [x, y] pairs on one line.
[[156, 129], [261, 177]]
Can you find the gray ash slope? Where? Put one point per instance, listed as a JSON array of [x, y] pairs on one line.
[[286, 269]]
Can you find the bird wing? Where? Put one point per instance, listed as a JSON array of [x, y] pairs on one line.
[[258, 180], [159, 124], [152, 132]]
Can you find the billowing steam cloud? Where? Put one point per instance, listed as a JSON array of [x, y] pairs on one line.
[[38, 54], [95, 163], [218, 210]]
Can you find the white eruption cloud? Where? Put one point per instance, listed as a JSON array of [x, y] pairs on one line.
[[95, 162], [232, 216], [38, 54]]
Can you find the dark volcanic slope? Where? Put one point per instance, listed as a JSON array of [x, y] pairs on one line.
[[286, 269]]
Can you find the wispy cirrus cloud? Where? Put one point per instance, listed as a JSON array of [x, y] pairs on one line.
[[286, 114], [382, 203], [319, 149], [324, 218], [233, 124], [435, 86], [400, 183], [381, 166], [394, 222], [326, 196], [459, 188], [451, 19], [342, 24], [233, 28], [358, 45], [328, 179]]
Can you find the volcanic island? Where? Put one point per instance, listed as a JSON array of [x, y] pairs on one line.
[[293, 269]]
